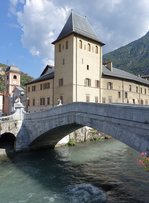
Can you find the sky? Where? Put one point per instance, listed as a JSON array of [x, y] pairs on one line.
[[28, 27]]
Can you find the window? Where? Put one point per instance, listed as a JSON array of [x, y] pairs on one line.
[[133, 101], [141, 101], [103, 100], [46, 85], [82, 60], [59, 47], [80, 44], [126, 95], [61, 99], [87, 67], [66, 44], [130, 88], [87, 82], [40, 86], [145, 91], [63, 61], [60, 82], [96, 49], [48, 100], [87, 98], [15, 77], [110, 99], [42, 101], [97, 83], [28, 89], [109, 85], [7, 77], [33, 88], [141, 90], [119, 95], [96, 99], [33, 102], [137, 89], [89, 47], [28, 102]]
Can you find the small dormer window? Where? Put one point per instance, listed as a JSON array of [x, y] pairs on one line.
[[15, 77]]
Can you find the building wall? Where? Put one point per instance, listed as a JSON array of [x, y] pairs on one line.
[[124, 91], [40, 96], [80, 61], [87, 69], [63, 81]]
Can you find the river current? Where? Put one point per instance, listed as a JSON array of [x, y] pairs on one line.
[[102, 172]]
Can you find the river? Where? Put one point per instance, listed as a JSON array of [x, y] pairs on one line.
[[102, 172]]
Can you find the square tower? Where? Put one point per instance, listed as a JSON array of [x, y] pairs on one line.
[[78, 62]]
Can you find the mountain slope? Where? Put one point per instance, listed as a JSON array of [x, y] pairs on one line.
[[133, 57]]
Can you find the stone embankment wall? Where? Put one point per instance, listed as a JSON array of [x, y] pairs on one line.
[[83, 135]]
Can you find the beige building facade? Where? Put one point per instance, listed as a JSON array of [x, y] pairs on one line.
[[79, 76]]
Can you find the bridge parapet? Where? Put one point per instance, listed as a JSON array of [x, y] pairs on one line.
[[12, 123]]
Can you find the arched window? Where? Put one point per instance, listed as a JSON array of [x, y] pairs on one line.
[[87, 82], [89, 47], [80, 44], [96, 49], [15, 77]]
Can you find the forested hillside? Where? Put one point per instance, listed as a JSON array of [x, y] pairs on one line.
[[133, 57]]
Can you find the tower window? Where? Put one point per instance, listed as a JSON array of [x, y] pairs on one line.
[[80, 44], [15, 77], [87, 82], [61, 82], [87, 67], [89, 47], [87, 98], [96, 49], [97, 83]]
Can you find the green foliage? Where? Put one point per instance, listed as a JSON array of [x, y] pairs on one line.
[[71, 142], [25, 78], [133, 58]]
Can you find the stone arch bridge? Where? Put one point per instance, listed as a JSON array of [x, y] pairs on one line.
[[126, 123]]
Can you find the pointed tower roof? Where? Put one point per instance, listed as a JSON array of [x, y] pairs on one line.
[[79, 25]]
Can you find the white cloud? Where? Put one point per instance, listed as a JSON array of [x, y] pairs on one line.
[[40, 22], [116, 22]]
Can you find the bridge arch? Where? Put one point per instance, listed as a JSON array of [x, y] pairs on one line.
[[125, 123], [7, 141]]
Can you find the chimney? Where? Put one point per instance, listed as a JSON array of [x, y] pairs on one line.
[[109, 65]]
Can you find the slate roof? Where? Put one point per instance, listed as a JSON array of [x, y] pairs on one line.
[[123, 74], [45, 77], [47, 69], [79, 25]]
